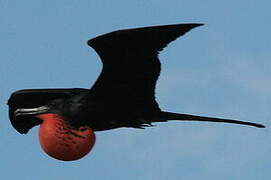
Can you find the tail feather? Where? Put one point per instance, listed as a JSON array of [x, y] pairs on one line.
[[187, 117]]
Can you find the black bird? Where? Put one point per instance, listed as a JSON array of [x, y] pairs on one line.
[[122, 96]]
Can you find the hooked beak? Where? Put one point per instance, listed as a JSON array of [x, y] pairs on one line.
[[31, 111]]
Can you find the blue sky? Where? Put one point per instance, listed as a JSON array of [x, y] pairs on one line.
[[221, 69]]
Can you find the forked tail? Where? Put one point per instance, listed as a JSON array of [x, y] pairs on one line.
[[187, 117]]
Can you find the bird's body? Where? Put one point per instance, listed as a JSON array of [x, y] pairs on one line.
[[122, 96]]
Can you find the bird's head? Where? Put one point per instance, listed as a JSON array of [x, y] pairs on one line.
[[52, 111], [23, 118]]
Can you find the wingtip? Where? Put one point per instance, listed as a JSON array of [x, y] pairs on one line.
[[192, 25], [198, 24]]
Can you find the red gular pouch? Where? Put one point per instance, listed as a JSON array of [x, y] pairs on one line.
[[61, 141]]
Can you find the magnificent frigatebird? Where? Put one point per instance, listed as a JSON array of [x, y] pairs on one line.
[[122, 96]]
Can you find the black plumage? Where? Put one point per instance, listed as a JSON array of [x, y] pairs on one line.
[[124, 93]]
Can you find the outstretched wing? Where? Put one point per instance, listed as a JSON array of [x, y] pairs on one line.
[[130, 64]]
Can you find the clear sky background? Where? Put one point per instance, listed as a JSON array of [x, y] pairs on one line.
[[221, 69]]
